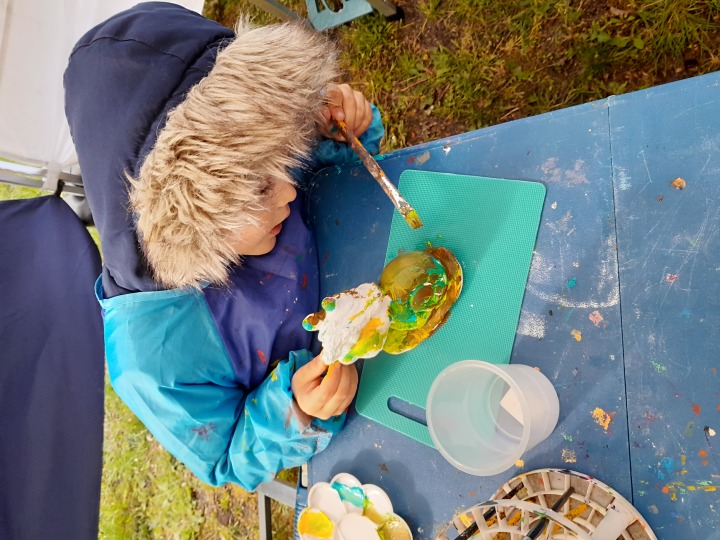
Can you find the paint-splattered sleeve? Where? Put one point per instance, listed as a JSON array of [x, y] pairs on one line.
[[270, 434], [167, 362], [330, 152]]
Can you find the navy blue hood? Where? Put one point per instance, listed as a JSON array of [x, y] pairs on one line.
[[123, 77]]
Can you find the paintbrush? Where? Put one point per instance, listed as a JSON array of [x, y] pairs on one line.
[[538, 529], [407, 211], [473, 528]]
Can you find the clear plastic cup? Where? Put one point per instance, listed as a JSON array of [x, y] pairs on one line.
[[482, 417]]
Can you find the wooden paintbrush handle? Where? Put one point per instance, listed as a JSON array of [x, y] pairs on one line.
[[407, 211]]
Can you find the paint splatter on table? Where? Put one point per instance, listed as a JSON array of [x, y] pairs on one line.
[[625, 258]]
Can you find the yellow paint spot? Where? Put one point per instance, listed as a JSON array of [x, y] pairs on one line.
[[683, 459], [602, 418], [674, 488], [568, 456], [577, 334], [571, 515], [520, 463], [466, 520], [577, 511], [316, 523], [273, 376]]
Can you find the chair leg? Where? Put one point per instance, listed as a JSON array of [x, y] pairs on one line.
[[276, 8], [278, 490], [264, 513], [385, 7]]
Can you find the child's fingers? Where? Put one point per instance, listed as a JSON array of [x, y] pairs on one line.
[[367, 119], [325, 112], [335, 99], [309, 375], [329, 384], [360, 113], [344, 393]]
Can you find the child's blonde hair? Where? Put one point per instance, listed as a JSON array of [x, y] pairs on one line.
[[250, 120]]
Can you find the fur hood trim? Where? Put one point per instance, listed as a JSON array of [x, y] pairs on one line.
[[251, 119]]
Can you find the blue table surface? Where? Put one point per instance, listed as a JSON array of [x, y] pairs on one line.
[[621, 310]]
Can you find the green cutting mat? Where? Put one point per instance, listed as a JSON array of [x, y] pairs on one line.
[[490, 225]]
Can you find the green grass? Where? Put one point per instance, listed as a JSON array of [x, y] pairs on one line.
[[8, 192], [449, 67]]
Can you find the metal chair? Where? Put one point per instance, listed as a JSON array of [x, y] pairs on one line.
[[51, 342], [322, 16], [51, 373]]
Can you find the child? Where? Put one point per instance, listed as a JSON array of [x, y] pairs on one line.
[[194, 144]]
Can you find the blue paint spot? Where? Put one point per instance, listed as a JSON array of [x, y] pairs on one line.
[[686, 313], [570, 284], [353, 495], [379, 157], [667, 467]]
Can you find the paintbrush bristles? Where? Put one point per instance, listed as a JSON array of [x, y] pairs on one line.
[[413, 219], [407, 211]]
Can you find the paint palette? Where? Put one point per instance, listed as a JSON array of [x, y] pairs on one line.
[[551, 503], [345, 509]]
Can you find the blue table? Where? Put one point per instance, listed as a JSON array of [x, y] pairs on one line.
[[621, 309]]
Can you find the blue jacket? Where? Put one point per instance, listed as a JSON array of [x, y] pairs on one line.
[[194, 366]]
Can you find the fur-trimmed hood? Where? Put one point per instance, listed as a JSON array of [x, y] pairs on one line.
[[171, 109]]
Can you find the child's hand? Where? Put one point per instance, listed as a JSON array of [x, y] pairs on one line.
[[344, 103], [324, 397]]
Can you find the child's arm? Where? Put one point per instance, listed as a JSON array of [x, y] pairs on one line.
[[167, 362], [362, 118]]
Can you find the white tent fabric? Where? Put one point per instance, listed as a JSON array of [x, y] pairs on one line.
[[36, 38]]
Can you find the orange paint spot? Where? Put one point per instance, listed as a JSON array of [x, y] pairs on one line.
[[304, 281], [704, 462], [602, 418], [703, 453], [596, 318], [261, 356], [577, 334], [665, 489], [713, 371], [678, 183], [718, 407], [696, 408]]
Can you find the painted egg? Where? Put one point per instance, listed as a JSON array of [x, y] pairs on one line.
[[352, 324], [323, 496], [423, 286]]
